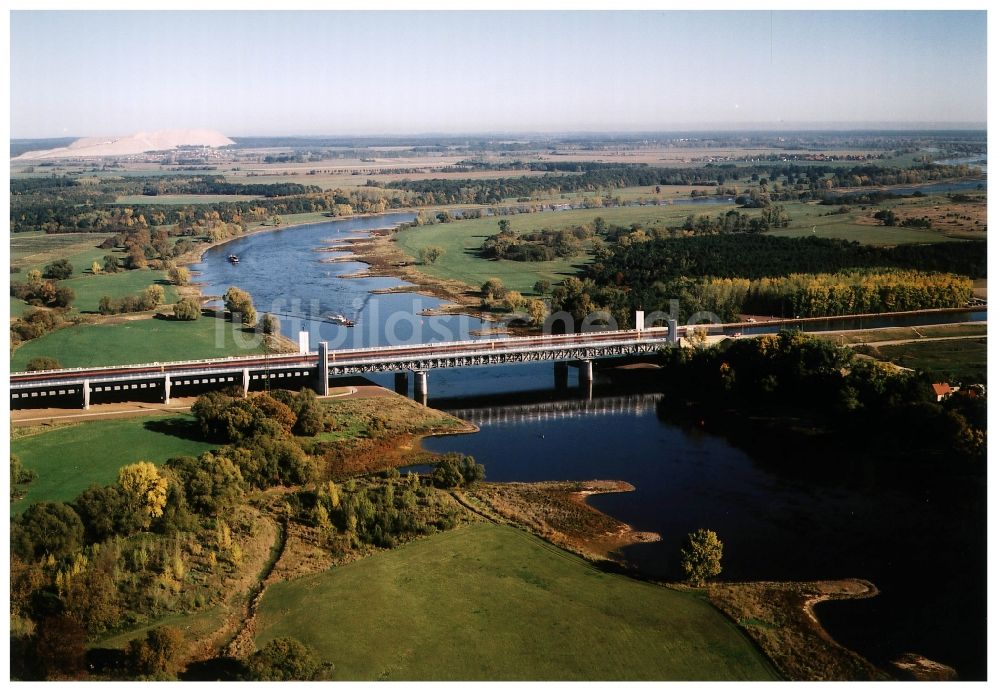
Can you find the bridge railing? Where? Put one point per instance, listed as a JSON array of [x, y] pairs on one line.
[[162, 367]]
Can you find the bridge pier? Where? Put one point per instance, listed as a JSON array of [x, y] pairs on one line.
[[586, 391], [323, 378], [402, 383], [86, 394], [420, 386], [246, 381], [561, 370], [586, 371], [672, 331], [166, 389]]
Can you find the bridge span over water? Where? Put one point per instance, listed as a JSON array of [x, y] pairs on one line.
[[161, 381]]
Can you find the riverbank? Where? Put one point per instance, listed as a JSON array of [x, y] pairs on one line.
[[385, 258], [557, 511], [779, 617]]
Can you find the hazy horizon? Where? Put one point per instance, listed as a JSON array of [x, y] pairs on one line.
[[860, 127], [312, 74]]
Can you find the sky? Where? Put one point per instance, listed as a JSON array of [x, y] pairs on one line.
[[344, 73]]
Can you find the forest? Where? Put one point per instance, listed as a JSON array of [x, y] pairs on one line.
[[733, 274], [806, 181], [758, 256]]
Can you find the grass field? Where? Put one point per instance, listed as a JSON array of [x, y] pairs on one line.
[[68, 459], [90, 288], [34, 250], [138, 341], [960, 360], [27, 248], [485, 602], [462, 239], [396, 414], [903, 333], [811, 219]]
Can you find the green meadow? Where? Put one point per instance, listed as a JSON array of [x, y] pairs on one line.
[[139, 341], [90, 288], [960, 360], [462, 239], [485, 602], [68, 459]]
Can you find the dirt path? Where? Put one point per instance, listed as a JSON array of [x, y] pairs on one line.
[[242, 644], [258, 563]]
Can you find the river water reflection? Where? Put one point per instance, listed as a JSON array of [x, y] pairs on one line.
[[774, 526]]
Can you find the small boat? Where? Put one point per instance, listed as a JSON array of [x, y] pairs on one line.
[[341, 320], [233, 258]]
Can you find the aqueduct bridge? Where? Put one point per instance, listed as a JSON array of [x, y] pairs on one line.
[[159, 381]]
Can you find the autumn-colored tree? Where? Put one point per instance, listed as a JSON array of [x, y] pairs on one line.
[[537, 310], [157, 653], [151, 297], [188, 309], [59, 647], [240, 305], [144, 488], [512, 299], [178, 275]]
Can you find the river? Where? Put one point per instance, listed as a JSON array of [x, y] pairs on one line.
[[927, 560]]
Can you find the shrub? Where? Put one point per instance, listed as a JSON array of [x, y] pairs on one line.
[[111, 264], [43, 363], [60, 269], [455, 470], [19, 476], [34, 323], [188, 309], [47, 529], [268, 324], [157, 653], [430, 255], [283, 659]]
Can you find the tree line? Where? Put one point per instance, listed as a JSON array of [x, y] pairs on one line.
[[665, 254], [863, 413], [538, 245]]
